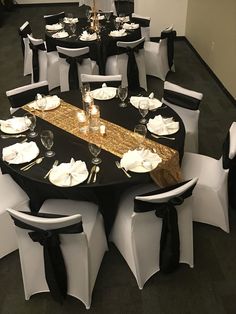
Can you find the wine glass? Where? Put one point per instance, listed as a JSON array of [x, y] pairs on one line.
[[88, 14], [72, 29], [85, 88], [143, 108], [140, 131], [41, 102], [117, 25], [107, 16], [122, 18], [122, 93], [46, 137], [95, 151], [31, 122]]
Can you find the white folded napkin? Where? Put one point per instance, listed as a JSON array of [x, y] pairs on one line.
[[104, 93], [130, 26], [100, 17], [52, 102], [54, 27], [71, 20], [69, 174], [118, 33], [20, 152], [124, 19], [86, 36], [62, 34], [162, 126], [143, 158], [153, 103], [17, 124]]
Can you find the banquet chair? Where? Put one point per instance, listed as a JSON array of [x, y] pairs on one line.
[[72, 63], [186, 103], [144, 22], [170, 34], [53, 18], [140, 231], [20, 96], [23, 31], [129, 62], [11, 195], [210, 197], [82, 241], [96, 81], [44, 64]]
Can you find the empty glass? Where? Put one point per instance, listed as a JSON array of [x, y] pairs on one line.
[[85, 88], [46, 137], [41, 102], [117, 25], [143, 108], [95, 151], [107, 16], [122, 93], [140, 131], [72, 29], [31, 122]]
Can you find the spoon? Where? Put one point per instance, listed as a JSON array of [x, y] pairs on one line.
[[36, 162], [97, 169]]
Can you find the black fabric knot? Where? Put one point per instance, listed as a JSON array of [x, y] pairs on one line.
[[35, 59]]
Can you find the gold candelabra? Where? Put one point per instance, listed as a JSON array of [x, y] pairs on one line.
[[95, 21]]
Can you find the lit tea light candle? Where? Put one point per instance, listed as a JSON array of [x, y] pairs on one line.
[[94, 111], [81, 116], [102, 129]]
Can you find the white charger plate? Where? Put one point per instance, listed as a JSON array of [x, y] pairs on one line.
[[173, 131], [111, 93], [26, 155], [62, 35], [63, 166], [87, 39], [122, 35], [10, 130], [142, 169], [51, 107]]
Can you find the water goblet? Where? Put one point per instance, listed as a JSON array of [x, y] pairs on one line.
[[117, 25], [41, 102], [143, 108], [122, 93], [72, 29], [46, 137], [31, 122], [140, 131], [85, 88], [95, 151], [107, 16]]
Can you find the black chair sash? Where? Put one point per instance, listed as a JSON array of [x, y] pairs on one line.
[[169, 243], [54, 18], [95, 85], [132, 67], [140, 21], [73, 71], [170, 45], [35, 59], [182, 100], [23, 34], [55, 269]]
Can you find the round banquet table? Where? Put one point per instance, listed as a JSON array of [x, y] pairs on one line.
[[100, 49], [111, 181]]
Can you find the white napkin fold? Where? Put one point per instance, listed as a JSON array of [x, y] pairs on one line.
[[52, 102], [62, 34], [17, 124], [104, 93], [20, 152], [54, 27], [153, 103], [86, 36], [162, 126], [124, 19], [69, 174], [118, 33], [136, 158], [130, 26], [70, 20]]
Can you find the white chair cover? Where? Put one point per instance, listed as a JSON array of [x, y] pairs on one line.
[[24, 30]]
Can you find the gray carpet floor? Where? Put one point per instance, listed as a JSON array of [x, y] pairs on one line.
[[210, 287]]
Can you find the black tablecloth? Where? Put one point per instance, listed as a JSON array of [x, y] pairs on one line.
[[101, 49], [110, 182]]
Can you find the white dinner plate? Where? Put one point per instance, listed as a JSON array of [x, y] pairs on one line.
[[142, 169], [118, 35], [60, 35], [104, 93], [11, 130], [170, 132], [52, 103], [87, 39], [20, 153]]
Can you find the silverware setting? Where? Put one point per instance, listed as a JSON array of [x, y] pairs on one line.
[[162, 136], [48, 173], [91, 173], [35, 162], [119, 167], [97, 169], [4, 136]]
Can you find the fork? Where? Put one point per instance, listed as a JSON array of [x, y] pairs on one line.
[[162, 136], [119, 167], [48, 173], [4, 136]]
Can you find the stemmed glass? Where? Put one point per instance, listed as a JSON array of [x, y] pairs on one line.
[[95, 151], [41, 102], [140, 131], [73, 29], [143, 108], [117, 25], [85, 88], [122, 93], [88, 14], [31, 122], [46, 137], [107, 16]]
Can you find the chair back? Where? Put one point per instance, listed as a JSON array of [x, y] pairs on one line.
[[97, 80], [20, 96], [144, 22], [170, 34], [23, 31], [229, 148], [53, 18]]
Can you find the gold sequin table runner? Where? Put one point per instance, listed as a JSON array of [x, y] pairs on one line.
[[117, 140]]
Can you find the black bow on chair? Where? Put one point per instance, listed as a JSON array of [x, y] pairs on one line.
[[54, 265], [169, 243], [23, 34], [170, 45], [132, 67], [73, 71], [35, 59]]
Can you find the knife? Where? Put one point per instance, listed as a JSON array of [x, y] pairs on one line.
[[91, 173]]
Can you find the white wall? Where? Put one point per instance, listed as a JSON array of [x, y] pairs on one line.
[[44, 1], [163, 13]]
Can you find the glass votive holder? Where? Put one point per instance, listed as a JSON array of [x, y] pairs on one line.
[[102, 129], [83, 122], [87, 103], [94, 118]]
